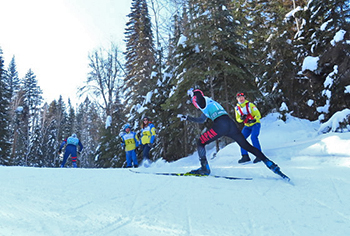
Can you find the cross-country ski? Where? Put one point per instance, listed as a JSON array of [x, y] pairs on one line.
[[193, 175]]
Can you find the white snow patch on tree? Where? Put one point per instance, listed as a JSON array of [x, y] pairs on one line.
[[196, 49], [154, 74], [19, 109], [323, 109], [310, 102], [108, 122], [339, 36], [292, 13], [283, 107], [182, 40], [324, 25], [329, 80], [347, 89], [335, 123], [327, 93], [310, 63], [148, 97]]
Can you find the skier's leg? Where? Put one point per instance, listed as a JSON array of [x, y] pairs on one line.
[[73, 153], [259, 155], [74, 162], [254, 135], [206, 138], [134, 158], [70, 150], [246, 131], [255, 139], [243, 143], [65, 157], [128, 159], [146, 150]]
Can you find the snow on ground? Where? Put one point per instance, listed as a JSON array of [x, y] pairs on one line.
[[53, 201]]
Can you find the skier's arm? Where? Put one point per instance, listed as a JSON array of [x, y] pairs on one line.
[[153, 134], [62, 145], [255, 112], [238, 116], [137, 140], [200, 119], [80, 146], [123, 142]]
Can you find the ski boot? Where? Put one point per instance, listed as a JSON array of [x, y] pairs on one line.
[[275, 169], [256, 160], [203, 170], [245, 158]]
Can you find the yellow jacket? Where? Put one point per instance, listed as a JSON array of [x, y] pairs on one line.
[[249, 109], [130, 140], [148, 134]]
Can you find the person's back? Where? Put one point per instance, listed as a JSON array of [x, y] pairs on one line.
[[72, 143]]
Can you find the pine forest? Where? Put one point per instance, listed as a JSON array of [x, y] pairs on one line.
[[286, 56]]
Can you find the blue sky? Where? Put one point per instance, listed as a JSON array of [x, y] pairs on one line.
[[54, 38]]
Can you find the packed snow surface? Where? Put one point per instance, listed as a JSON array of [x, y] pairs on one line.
[[55, 201]]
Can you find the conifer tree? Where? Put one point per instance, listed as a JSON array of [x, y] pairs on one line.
[[210, 57], [89, 125], [49, 130], [61, 116], [71, 120], [4, 116], [32, 100], [140, 57], [13, 82], [321, 22], [12, 78]]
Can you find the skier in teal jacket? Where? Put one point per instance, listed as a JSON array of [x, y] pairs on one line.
[[223, 125], [71, 149]]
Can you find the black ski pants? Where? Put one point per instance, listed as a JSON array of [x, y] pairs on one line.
[[225, 126]]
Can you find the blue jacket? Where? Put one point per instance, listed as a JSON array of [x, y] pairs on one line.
[[72, 141]]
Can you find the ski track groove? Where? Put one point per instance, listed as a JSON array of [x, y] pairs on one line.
[[80, 206], [188, 217], [115, 225], [336, 192]]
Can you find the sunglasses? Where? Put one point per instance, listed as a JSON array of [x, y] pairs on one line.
[[240, 95]]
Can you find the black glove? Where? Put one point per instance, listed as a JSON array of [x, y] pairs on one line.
[[244, 117], [251, 121], [141, 147], [79, 152], [59, 152], [150, 145]]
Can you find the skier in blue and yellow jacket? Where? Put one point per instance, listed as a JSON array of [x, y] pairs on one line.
[[249, 114], [130, 141], [148, 136]]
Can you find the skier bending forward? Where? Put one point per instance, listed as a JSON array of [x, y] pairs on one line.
[[223, 125]]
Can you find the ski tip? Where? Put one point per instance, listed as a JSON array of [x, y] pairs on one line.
[[288, 180]]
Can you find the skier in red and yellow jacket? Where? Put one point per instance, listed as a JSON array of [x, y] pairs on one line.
[[249, 114]]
